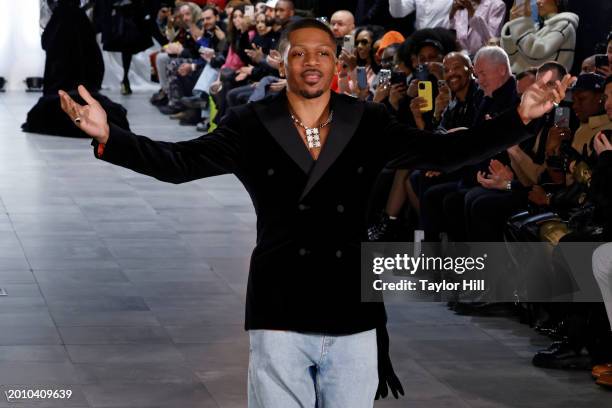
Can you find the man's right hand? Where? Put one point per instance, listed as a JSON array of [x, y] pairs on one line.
[[91, 117]]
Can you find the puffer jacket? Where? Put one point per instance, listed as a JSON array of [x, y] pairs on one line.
[[528, 44]]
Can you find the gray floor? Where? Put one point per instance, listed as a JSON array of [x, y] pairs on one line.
[[129, 292]]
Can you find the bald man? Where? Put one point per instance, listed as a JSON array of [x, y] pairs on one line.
[[342, 23]]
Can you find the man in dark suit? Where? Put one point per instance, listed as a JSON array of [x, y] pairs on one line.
[[309, 158]]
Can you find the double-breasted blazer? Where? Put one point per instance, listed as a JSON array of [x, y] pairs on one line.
[[311, 215]]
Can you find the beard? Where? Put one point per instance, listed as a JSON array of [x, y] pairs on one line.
[[311, 95]]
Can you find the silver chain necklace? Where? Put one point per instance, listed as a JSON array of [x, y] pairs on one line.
[[312, 134]]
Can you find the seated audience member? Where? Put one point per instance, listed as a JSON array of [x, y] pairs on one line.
[[580, 326], [476, 22], [428, 13], [181, 43], [445, 203], [529, 160], [503, 191], [183, 93], [458, 111], [602, 257], [553, 39], [363, 56], [233, 72], [430, 47], [388, 60], [588, 104], [525, 79]]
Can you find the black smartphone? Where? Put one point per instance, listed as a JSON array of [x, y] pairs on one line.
[[601, 61], [608, 133], [398, 78], [421, 72]]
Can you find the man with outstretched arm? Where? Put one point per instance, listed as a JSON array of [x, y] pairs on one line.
[[309, 158]]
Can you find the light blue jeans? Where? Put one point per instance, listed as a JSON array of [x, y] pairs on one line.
[[296, 370]]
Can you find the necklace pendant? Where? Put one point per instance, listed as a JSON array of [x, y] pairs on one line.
[[312, 137]]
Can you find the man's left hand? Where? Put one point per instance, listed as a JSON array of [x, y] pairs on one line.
[[540, 98]]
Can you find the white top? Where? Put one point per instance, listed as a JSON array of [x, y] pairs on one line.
[[429, 13], [529, 45]]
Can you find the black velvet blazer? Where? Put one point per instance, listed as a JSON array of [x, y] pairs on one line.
[[305, 269]]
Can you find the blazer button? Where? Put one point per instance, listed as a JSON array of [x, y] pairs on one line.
[[338, 254], [340, 208], [270, 172], [302, 251]]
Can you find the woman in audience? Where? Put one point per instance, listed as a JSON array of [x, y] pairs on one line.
[[364, 55], [552, 39], [240, 35], [476, 22]]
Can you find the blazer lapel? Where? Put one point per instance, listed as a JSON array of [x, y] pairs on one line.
[[277, 121], [347, 115]]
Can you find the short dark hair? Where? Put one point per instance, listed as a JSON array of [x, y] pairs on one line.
[[529, 71], [553, 65], [209, 7], [291, 4], [300, 24]]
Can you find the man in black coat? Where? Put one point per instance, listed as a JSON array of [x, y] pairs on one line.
[[309, 158]]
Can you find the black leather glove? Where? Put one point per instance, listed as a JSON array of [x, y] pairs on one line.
[[386, 376]]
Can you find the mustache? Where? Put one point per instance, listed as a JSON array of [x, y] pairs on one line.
[[312, 71]]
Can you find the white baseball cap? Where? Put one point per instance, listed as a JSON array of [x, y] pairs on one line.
[[271, 3]]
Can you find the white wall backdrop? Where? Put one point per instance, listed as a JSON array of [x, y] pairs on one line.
[[21, 54]]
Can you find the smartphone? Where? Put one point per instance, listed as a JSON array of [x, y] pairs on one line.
[[425, 92], [601, 61], [349, 43], [323, 20], [362, 79], [421, 72], [519, 3], [249, 11], [562, 116], [608, 133], [398, 78], [441, 83], [384, 77]]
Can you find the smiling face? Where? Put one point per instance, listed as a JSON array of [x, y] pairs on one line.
[[364, 44], [491, 75], [210, 20], [309, 62], [457, 72]]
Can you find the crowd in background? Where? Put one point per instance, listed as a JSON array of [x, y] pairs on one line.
[[437, 65]]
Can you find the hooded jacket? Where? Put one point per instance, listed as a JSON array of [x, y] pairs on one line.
[[528, 45]]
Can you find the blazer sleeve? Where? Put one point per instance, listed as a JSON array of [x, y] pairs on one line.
[[407, 147], [216, 153]]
